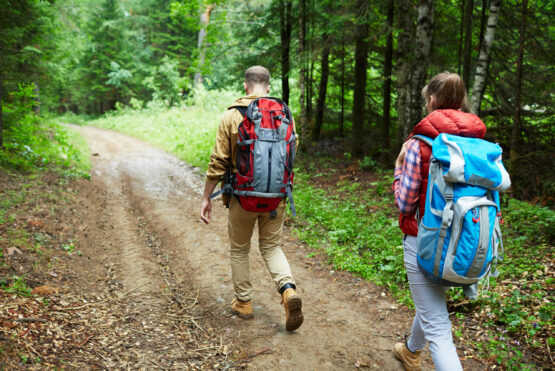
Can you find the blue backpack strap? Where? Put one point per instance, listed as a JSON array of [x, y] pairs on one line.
[[423, 138]]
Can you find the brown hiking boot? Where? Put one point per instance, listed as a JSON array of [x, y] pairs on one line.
[[411, 361], [242, 308], [293, 313]]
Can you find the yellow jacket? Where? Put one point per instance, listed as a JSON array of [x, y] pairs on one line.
[[225, 148]]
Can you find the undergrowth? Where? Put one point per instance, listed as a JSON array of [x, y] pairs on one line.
[[356, 224], [36, 151], [33, 143]]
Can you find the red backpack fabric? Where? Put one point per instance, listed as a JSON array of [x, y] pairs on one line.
[[266, 152]]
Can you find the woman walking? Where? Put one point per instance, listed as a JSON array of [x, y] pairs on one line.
[[448, 112]]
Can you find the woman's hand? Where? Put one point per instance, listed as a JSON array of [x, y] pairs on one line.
[[401, 158]]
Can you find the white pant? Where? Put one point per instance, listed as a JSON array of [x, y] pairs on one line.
[[431, 322]]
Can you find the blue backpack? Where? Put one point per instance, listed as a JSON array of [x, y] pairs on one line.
[[459, 235]]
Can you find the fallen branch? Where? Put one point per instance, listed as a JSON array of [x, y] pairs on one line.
[[257, 353], [549, 352], [84, 341], [31, 319], [196, 324]]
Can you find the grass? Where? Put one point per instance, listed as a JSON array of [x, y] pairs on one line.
[[188, 132]]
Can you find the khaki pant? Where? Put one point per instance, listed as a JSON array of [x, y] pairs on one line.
[[240, 228]]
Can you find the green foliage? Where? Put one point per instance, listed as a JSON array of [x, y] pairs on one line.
[[33, 144], [357, 228], [516, 303], [188, 132], [18, 286]]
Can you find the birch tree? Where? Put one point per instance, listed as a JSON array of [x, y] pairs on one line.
[[483, 58], [204, 21]]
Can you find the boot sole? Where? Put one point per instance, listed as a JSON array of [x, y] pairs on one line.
[[295, 319], [243, 315]]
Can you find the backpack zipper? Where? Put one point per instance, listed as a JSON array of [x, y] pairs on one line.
[[269, 169]]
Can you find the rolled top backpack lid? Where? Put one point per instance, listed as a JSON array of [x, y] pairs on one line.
[[471, 160]]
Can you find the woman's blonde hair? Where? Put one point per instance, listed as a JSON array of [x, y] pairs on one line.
[[448, 91]]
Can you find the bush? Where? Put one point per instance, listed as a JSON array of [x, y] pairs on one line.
[[31, 143]]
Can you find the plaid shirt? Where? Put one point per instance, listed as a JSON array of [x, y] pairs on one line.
[[408, 179]]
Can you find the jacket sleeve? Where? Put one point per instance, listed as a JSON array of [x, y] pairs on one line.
[[221, 155]]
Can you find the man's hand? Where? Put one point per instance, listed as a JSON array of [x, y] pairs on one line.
[[206, 206], [206, 210], [401, 158]]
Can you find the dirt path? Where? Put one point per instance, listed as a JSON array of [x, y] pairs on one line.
[[142, 216]]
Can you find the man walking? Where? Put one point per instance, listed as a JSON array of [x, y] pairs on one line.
[[241, 222]]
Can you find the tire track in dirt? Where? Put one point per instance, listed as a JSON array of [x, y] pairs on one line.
[[349, 323], [150, 325]]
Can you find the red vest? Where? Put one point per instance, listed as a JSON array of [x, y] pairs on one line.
[[446, 121]]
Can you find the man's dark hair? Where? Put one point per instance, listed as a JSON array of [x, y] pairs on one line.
[[257, 75]]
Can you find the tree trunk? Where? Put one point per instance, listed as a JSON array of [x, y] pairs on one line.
[[302, 73], [467, 42], [204, 20], [461, 37], [36, 106], [403, 68], [421, 56], [386, 123], [1, 120], [321, 103], [342, 118], [515, 134], [285, 47], [361, 65], [482, 64], [309, 83], [483, 22], [309, 16]]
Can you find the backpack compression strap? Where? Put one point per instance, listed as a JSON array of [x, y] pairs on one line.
[[227, 188]]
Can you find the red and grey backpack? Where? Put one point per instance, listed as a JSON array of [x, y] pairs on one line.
[[265, 156]]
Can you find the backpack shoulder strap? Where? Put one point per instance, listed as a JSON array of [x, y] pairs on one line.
[[423, 138], [242, 109]]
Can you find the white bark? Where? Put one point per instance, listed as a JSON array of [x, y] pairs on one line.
[[204, 20], [482, 64]]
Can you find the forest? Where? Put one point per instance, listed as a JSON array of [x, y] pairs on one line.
[[352, 73]]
